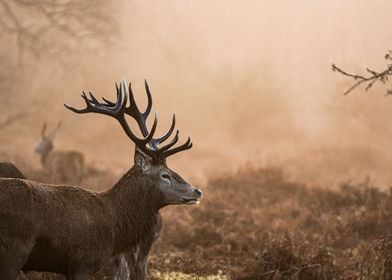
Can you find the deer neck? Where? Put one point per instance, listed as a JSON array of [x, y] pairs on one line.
[[135, 204], [45, 156]]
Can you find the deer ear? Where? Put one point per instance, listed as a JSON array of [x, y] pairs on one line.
[[142, 160]]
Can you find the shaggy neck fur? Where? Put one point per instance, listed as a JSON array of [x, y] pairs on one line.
[[135, 203]]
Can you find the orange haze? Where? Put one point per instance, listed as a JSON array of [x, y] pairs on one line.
[[249, 81]]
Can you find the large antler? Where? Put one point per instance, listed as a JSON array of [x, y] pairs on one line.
[[118, 110]]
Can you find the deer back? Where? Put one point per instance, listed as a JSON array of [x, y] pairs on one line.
[[8, 170]]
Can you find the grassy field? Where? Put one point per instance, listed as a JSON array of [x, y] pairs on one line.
[[256, 224]]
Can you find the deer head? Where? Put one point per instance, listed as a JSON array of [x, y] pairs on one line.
[[45, 145], [150, 153]]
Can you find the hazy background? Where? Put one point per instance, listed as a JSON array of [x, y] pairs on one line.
[[250, 82]]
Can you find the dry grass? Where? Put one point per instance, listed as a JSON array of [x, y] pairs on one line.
[[255, 224]]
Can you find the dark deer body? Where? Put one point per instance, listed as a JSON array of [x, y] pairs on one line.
[[73, 231], [65, 229], [119, 268], [8, 170]]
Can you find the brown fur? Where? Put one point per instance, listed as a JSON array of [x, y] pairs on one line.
[[120, 267], [8, 170]]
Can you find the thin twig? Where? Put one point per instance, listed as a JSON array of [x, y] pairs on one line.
[[73, 20], [374, 77]]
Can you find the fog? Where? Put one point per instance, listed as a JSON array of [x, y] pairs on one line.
[[251, 82]]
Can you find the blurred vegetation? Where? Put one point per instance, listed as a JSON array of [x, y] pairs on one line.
[[255, 224], [44, 28], [32, 31]]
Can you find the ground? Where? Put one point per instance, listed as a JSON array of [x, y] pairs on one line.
[[257, 224]]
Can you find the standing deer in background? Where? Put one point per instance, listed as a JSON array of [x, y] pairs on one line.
[[61, 166], [72, 231]]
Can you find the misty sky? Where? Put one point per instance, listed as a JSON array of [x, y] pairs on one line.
[[250, 81]]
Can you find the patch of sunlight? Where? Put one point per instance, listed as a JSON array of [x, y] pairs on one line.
[[183, 276]]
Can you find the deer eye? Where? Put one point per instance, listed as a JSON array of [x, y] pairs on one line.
[[165, 176]]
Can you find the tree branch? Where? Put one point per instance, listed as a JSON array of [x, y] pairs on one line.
[[54, 26], [369, 80], [9, 120]]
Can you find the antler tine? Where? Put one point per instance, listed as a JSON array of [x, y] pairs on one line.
[[117, 110], [133, 110], [164, 151], [141, 118], [111, 103], [169, 132], [108, 102], [93, 106], [92, 98], [187, 145], [149, 99], [120, 109], [171, 144], [141, 143]]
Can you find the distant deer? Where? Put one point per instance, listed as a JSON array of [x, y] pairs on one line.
[[72, 231], [61, 166], [8, 170]]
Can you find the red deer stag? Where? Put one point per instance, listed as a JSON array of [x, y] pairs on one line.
[[72, 231], [61, 166]]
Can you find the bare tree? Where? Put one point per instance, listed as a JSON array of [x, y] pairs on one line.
[[10, 119], [372, 76], [51, 26], [31, 30]]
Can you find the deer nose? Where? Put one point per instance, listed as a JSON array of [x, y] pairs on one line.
[[198, 192]]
